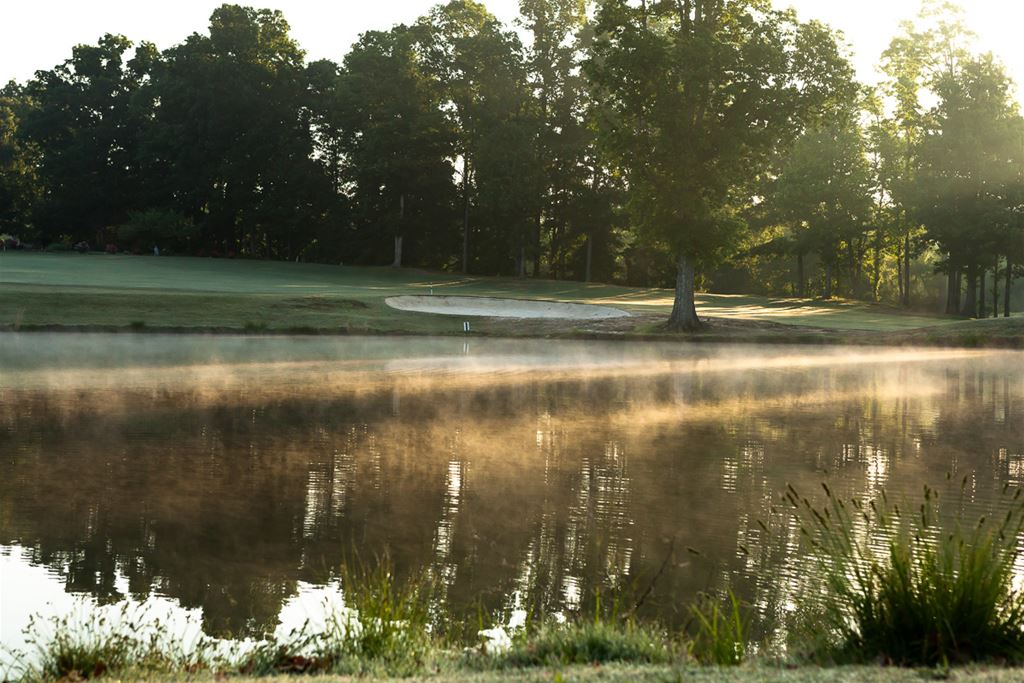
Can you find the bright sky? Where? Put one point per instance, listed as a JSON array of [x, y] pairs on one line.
[[38, 34]]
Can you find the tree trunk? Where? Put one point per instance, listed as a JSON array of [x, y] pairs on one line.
[[899, 271], [465, 218], [590, 256], [952, 291], [537, 249], [995, 288], [827, 292], [398, 238], [398, 252], [982, 311], [684, 311], [801, 282], [968, 309], [1009, 286], [876, 274], [906, 271]]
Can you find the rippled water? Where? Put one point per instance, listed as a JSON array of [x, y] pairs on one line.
[[229, 478]]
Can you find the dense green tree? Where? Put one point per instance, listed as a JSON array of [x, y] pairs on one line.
[[702, 94], [87, 121], [823, 195], [479, 65], [968, 170], [233, 137], [19, 184], [397, 147]]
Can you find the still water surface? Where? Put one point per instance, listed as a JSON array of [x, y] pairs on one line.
[[229, 478]]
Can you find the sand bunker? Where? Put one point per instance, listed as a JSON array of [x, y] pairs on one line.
[[474, 306]]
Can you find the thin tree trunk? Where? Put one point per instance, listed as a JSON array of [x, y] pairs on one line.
[[970, 303], [465, 217], [590, 256], [952, 295], [398, 252], [876, 275], [906, 271], [684, 311], [398, 238], [1009, 286], [982, 311], [801, 282], [827, 292], [899, 271], [995, 288], [536, 243]]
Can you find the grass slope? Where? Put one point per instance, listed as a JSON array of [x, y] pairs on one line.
[[43, 290]]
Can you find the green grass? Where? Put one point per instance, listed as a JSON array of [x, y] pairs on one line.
[[94, 290], [596, 641]]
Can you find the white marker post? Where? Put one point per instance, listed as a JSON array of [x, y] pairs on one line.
[[465, 327]]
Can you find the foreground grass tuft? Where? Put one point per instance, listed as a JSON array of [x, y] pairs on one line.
[[92, 644], [904, 587], [721, 638], [590, 642], [385, 629]]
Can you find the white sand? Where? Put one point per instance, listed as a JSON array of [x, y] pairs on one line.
[[474, 306]]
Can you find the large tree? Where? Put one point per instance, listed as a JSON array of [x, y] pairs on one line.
[[479, 64], [19, 182], [969, 168], [233, 137], [823, 195], [701, 94], [397, 148], [86, 120]]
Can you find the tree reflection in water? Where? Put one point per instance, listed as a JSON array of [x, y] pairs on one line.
[[223, 485]]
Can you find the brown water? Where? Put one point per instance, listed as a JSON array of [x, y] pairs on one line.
[[229, 475]]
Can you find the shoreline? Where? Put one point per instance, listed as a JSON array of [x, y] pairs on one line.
[[719, 332]]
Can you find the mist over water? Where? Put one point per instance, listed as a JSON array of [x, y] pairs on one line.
[[231, 476]]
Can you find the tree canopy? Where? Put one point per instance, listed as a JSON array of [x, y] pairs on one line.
[[723, 144]]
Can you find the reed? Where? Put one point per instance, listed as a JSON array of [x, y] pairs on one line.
[[917, 586]]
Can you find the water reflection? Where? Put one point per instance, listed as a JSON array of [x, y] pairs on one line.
[[230, 475]]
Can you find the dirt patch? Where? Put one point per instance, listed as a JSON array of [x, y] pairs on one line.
[[485, 307]]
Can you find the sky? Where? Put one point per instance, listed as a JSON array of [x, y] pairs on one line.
[[38, 34]]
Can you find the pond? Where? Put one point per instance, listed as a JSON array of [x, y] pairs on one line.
[[230, 478]]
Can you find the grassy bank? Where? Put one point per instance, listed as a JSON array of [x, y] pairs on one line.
[[101, 292], [619, 673], [915, 590]]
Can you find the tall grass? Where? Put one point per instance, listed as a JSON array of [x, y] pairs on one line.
[[385, 629], [590, 641], [721, 634], [908, 588], [90, 643]]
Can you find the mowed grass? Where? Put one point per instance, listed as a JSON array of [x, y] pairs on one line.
[[94, 290], [628, 673]]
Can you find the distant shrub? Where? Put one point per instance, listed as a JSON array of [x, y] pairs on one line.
[[156, 227]]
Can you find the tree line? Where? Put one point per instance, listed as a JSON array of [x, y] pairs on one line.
[[689, 143]]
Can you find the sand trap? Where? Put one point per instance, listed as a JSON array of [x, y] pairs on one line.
[[475, 306]]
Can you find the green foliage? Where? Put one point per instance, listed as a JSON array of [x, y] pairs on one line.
[[91, 643], [384, 628], [596, 641], [397, 145], [156, 227], [699, 98], [910, 587], [721, 637]]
